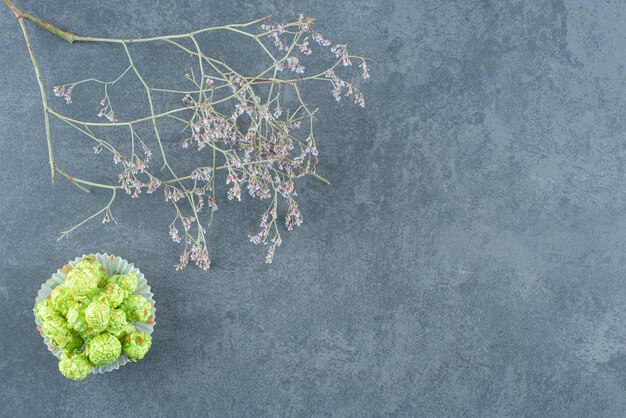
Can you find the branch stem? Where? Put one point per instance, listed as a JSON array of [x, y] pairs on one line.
[[44, 100], [72, 37], [20, 14]]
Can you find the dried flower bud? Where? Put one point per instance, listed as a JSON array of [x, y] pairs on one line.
[[65, 92], [304, 47], [187, 101], [304, 22], [187, 221], [365, 70], [202, 174], [271, 252], [174, 233], [321, 41], [184, 260], [294, 216], [294, 65]]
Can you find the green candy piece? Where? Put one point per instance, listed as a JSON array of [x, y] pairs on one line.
[[89, 334], [115, 294], [56, 330], [97, 313], [118, 325], [129, 329], [76, 318], [53, 326], [86, 299], [137, 308], [80, 283], [75, 365], [136, 345], [44, 310], [71, 342], [128, 282], [61, 299], [94, 269], [103, 349]]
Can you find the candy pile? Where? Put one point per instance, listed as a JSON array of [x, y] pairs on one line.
[[90, 318]]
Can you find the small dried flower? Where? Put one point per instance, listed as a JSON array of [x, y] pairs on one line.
[[147, 152], [294, 216], [184, 260], [341, 51], [65, 92], [107, 110], [279, 65], [321, 41], [153, 185], [172, 194], [304, 47], [202, 174], [265, 111], [187, 101], [294, 125], [174, 234], [235, 189], [234, 82], [200, 255], [294, 65], [304, 22], [359, 99], [187, 221], [271, 252], [363, 66], [278, 111]]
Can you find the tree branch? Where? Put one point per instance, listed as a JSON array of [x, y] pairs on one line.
[[20, 14]]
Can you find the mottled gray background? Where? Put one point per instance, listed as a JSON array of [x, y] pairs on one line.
[[468, 259]]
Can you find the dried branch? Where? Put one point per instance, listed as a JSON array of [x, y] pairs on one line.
[[260, 141]]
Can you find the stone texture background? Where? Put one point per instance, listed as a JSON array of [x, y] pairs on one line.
[[467, 261]]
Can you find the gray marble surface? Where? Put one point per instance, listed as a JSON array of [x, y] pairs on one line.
[[468, 259]]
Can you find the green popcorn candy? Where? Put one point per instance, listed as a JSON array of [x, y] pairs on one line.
[[61, 299], [44, 310], [103, 349], [85, 299], [128, 282], [57, 331], [75, 365], [89, 334], [71, 342], [130, 328], [97, 313], [118, 325], [136, 345], [53, 326], [76, 318], [80, 283], [137, 308], [115, 294], [94, 269]]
